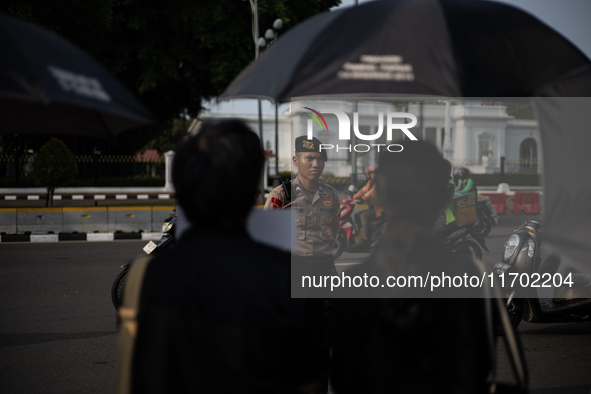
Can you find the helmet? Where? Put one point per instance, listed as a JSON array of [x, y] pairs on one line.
[[371, 169], [351, 190], [462, 173]]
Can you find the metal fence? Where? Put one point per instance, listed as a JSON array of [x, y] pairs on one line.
[[333, 167], [510, 165], [18, 171]]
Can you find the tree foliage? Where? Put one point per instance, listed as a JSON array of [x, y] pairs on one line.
[[54, 166], [172, 54], [520, 111]]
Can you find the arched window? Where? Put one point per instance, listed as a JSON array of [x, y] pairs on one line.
[[528, 156], [485, 144]]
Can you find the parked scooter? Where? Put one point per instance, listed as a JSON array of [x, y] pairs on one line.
[[167, 240], [522, 262], [350, 232]]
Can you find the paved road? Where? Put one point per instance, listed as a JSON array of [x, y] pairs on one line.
[[58, 327], [57, 324]]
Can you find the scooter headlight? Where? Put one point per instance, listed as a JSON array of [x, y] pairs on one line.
[[531, 247], [511, 246], [167, 226]]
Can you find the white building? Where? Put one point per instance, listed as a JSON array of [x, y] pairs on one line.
[[480, 135]]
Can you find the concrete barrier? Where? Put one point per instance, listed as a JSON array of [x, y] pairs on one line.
[[8, 220], [39, 220], [99, 237], [159, 214], [128, 219], [45, 238], [85, 219]]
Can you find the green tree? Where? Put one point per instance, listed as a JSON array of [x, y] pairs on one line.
[[54, 166], [171, 54], [520, 111]]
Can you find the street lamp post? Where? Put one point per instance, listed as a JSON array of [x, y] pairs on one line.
[[258, 42], [272, 35]]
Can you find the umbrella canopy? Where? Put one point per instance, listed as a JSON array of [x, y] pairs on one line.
[[386, 50], [449, 48], [49, 86], [564, 124]]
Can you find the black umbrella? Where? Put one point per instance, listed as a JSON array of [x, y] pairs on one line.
[[450, 48], [563, 109], [49, 86]]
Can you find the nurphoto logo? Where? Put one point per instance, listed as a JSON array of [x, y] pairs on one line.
[[345, 129]]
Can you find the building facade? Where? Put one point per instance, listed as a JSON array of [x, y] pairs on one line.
[[479, 135]]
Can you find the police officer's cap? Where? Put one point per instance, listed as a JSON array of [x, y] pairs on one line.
[[303, 144]]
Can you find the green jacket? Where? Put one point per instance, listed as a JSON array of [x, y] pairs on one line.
[[466, 187], [449, 207]]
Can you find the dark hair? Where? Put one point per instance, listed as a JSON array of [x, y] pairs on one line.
[[412, 184], [216, 174], [412, 188]]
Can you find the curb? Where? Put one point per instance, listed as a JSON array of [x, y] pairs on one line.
[[90, 196], [89, 237]]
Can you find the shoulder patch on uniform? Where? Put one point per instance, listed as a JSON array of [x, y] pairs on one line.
[[277, 203], [327, 203]]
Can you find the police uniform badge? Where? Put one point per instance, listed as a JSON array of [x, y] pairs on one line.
[[308, 144], [303, 144]]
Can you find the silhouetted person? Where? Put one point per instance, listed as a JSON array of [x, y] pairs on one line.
[[397, 344], [215, 313]]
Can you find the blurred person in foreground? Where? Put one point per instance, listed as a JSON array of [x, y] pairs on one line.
[[215, 312], [397, 343]]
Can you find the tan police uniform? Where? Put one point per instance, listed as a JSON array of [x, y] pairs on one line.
[[316, 220]]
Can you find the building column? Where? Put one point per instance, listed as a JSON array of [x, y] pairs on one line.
[[168, 159], [448, 151]]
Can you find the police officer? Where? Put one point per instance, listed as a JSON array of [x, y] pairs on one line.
[[315, 206]]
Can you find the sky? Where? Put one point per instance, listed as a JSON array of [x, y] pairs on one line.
[[571, 18]]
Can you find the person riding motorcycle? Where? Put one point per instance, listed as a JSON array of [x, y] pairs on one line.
[[368, 194], [446, 216], [466, 184]]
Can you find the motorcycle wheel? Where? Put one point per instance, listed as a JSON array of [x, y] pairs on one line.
[[339, 245], [516, 311], [475, 250], [483, 227], [117, 288]]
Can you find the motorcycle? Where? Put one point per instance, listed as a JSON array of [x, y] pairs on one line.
[[457, 240], [522, 261], [167, 240], [350, 231], [487, 217]]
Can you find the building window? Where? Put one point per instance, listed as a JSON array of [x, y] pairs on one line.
[[451, 136], [484, 147], [528, 156]]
